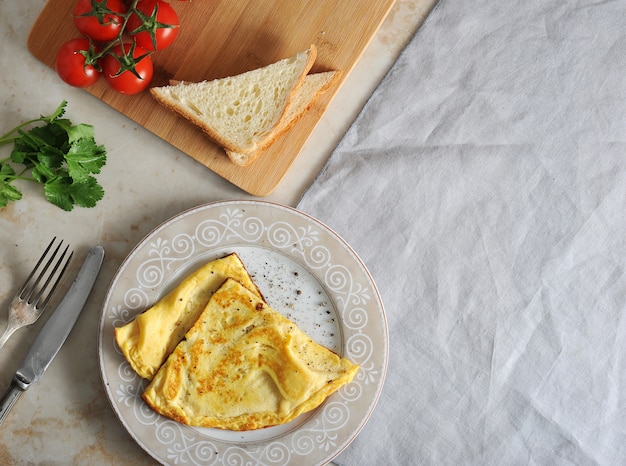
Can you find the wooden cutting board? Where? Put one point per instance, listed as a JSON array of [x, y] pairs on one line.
[[220, 38]]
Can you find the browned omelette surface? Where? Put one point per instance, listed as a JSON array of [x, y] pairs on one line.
[[244, 366], [151, 337]]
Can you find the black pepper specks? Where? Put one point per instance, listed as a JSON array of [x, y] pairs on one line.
[[296, 292]]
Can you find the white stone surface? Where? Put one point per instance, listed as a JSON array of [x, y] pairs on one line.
[[66, 418]]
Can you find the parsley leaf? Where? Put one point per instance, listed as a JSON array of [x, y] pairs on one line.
[[64, 192], [83, 159], [61, 156], [7, 191]]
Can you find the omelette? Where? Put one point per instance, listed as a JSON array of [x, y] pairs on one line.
[[244, 366], [150, 338]]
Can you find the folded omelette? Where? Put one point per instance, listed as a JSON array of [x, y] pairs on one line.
[[244, 366], [150, 338]]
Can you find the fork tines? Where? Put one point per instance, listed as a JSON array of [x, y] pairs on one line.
[[35, 295]]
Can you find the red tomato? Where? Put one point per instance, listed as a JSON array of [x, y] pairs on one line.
[[74, 63], [154, 24], [128, 71], [98, 20]]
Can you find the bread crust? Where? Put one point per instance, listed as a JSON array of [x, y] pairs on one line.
[[245, 159], [158, 94]]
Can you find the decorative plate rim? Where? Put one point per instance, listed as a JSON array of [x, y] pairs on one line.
[[301, 237]]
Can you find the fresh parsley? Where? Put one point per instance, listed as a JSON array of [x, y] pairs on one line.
[[59, 155]]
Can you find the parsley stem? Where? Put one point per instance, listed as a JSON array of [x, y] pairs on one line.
[[7, 138], [10, 137], [19, 177]]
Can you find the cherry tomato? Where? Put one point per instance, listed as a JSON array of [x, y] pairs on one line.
[[97, 19], [154, 25], [74, 64], [129, 70]]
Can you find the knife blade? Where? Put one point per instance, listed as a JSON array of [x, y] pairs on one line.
[[54, 333]]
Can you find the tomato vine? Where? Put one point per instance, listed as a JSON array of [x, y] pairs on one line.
[[141, 27]]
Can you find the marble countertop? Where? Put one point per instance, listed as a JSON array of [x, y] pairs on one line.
[[66, 418]]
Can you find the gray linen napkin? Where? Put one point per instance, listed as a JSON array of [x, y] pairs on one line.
[[484, 186]]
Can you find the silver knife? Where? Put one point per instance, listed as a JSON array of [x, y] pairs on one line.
[[54, 332]]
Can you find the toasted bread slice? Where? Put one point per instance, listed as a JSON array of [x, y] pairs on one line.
[[147, 340], [313, 85], [244, 366], [239, 112]]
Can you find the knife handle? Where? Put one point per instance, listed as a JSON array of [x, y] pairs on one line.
[[8, 400]]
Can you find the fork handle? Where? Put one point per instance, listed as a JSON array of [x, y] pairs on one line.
[[8, 400], [7, 333]]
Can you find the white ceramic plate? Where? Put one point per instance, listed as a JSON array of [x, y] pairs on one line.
[[305, 271]]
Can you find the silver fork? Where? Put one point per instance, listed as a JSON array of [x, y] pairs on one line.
[[33, 296]]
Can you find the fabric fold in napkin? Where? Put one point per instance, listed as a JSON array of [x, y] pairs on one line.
[[484, 186]]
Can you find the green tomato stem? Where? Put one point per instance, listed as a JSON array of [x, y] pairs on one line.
[[120, 37]]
